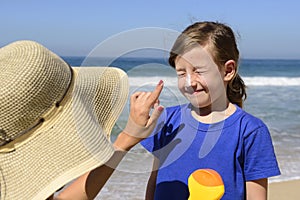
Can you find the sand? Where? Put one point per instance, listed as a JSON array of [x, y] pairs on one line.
[[286, 190]]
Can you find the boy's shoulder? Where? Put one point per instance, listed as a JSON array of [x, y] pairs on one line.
[[179, 107], [249, 121], [248, 117], [174, 113], [175, 110]]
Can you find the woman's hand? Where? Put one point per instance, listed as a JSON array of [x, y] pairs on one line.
[[140, 124]]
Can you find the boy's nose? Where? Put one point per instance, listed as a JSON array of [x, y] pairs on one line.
[[190, 82]]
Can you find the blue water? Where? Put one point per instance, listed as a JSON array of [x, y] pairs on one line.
[[248, 67], [273, 88]]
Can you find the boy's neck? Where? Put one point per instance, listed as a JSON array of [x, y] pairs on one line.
[[208, 115]]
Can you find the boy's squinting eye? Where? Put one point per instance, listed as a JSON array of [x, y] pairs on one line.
[[180, 74], [199, 71]]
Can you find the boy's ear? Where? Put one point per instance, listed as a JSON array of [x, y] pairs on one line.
[[229, 70]]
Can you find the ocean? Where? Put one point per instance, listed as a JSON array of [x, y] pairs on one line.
[[273, 89]]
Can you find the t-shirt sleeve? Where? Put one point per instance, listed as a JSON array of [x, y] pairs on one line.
[[260, 159]]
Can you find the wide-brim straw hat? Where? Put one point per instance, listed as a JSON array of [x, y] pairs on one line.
[[55, 120]]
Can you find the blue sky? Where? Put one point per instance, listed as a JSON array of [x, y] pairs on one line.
[[266, 28]]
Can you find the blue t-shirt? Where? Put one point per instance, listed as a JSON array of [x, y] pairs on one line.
[[239, 148]]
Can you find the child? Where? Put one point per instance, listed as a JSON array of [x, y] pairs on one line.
[[212, 131]]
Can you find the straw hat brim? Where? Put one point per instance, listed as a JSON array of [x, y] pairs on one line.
[[72, 138]]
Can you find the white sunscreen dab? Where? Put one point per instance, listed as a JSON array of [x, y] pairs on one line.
[[188, 81]]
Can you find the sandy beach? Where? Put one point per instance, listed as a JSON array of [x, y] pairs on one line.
[[286, 190]]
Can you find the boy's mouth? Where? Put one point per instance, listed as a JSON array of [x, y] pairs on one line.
[[193, 92], [198, 91]]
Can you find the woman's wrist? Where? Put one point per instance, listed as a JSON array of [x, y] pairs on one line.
[[125, 142]]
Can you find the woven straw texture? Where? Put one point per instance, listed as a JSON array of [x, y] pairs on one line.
[[78, 112]]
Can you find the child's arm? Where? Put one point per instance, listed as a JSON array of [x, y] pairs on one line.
[[257, 189], [152, 181]]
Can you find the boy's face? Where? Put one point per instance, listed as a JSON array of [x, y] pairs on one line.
[[199, 78]]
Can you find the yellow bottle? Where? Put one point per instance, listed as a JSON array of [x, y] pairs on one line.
[[205, 184]]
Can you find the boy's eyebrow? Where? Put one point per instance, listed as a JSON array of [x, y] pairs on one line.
[[179, 68], [200, 67]]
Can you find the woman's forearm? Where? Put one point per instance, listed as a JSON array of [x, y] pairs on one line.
[[90, 184]]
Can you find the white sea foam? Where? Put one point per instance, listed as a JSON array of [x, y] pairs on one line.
[[272, 81], [138, 81], [152, 80]]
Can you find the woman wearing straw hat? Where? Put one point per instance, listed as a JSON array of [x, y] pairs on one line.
[[55, 123]]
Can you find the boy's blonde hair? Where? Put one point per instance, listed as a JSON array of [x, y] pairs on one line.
[[222, 45]]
